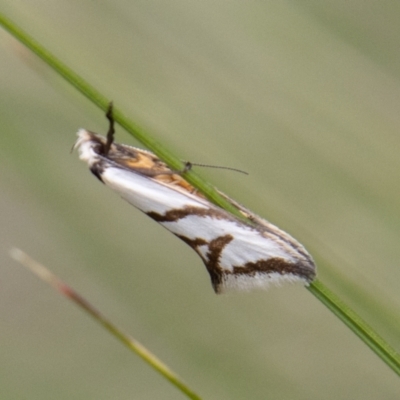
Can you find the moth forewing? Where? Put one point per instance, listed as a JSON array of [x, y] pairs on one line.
[[237, 255]]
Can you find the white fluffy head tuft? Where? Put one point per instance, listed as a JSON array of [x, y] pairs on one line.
[[85, 146]]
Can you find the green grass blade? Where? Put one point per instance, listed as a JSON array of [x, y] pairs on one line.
[[338, 307], [44, 274], [357, 325]]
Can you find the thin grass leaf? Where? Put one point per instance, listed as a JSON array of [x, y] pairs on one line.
[[47, 276], [357, 325]]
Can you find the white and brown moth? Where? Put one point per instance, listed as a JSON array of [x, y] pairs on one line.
[[238, 255]]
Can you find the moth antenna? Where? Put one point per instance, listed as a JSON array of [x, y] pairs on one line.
[[111, 130], [189, 165]]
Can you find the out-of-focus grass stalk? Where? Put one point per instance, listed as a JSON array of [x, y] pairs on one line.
[[48, 277], [317, 288]]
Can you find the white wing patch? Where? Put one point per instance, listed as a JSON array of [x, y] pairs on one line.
[[237, 255], [144, 193], [247, 245]]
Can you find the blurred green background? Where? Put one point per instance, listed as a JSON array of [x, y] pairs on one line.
[[304, 95]]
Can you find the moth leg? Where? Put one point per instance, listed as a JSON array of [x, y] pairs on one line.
[[111, 130]]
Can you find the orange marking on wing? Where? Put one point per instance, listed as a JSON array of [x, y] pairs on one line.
[[133, 158]]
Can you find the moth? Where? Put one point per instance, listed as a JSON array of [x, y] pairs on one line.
[[237, 254]]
